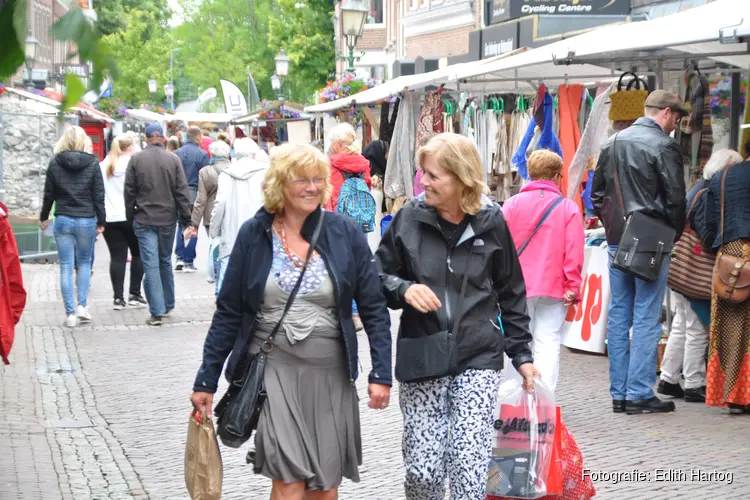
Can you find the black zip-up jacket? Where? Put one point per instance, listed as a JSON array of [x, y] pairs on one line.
[[74, 183], [414, 250], [351, 266], [649, 163]]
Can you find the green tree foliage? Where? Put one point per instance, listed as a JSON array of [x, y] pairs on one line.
[[304, 28], [140, 58], [110, 15]]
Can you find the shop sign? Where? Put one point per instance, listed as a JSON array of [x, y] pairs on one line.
[[586, 322], [519, 8], [500, 11], [80, 70], [499, 40]]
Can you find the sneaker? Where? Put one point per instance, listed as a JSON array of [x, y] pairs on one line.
[[154, 321], [71, 321], [189, 268], [695, 395], [651, 405], [668, 389], [137, 300], [83, 313], [179, 265], [119, 305]]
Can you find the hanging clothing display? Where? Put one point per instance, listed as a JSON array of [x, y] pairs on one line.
[[547, 139], [431, 117], [388, 120], [400, 170], [595, 134], [569, 105], [501, 162]]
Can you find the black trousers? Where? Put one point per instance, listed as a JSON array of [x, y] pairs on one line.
[[120, 237]]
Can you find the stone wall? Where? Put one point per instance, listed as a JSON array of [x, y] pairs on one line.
[[25, 154]]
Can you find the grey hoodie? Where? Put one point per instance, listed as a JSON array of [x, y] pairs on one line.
[[238, 198]]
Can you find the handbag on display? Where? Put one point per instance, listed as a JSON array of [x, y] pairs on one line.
[[645, 242], [628, 104], [240, 407], [691, 271], [732, 274]]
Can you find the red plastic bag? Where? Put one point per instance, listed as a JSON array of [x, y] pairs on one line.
[[525, 432]]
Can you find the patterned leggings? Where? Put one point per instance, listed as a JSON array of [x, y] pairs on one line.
[[448, 432]]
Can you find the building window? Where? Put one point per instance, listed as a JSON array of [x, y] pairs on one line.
[[376, 12]]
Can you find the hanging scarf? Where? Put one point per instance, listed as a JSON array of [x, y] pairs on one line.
[[547, 139]]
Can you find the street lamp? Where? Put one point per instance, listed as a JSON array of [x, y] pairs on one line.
[[276, 84], [169, 92], [30, 47], [353, 18], [152, 85]]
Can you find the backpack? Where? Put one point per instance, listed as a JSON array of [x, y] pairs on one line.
[[356, 201]]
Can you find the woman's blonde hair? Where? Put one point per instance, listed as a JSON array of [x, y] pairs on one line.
[[74, 138], [458, 155], [347, 136], [720, 160], [544, 165], [120, 144], [289, 162]]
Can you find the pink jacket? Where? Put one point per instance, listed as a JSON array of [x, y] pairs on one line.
[[553, 260]]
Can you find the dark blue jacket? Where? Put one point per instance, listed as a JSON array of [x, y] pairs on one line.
[[193, 159], [351, 266], [736, 208]]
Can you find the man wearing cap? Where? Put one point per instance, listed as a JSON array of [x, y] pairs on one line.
[[156, 196], [651, 176]]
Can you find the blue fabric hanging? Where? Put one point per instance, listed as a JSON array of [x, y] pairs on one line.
[[547, 139]]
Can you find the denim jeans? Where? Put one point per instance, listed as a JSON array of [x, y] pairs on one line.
[[74, 237], [637, 304], [155, 243], [186, 253]]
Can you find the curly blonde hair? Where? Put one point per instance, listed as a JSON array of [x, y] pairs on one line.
[[458, 155], [289, 162]]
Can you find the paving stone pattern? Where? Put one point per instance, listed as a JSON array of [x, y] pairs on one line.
[[101, 411]]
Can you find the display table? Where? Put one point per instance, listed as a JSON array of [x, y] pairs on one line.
[[586, 323]]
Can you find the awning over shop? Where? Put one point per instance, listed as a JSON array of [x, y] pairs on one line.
[[144, 115], [273, 106], [195, 117], [596, 55]]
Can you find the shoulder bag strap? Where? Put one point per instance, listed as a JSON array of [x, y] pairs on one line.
[[268, 344], [539, 224]]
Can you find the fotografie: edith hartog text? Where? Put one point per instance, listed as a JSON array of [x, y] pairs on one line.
[[660, 475]]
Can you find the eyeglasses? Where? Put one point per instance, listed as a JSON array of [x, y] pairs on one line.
[[316, 181]]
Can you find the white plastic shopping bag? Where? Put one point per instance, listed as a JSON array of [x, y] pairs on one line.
[[213, 250], [524, 433]]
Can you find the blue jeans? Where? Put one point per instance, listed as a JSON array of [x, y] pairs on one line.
[[155, 243], [75, 237], [355, 310], [637, 304], [186, 253]]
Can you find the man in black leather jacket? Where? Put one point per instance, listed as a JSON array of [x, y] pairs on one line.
[[650, 172]]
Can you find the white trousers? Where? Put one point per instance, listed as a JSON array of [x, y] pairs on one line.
[[547, 321], [686, 347]]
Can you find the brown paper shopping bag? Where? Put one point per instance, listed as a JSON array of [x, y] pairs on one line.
[[203, 467]]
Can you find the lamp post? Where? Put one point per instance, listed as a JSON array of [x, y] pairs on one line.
[[169, 92], [30, 47], [353, 18], [282, 70], [276, 85]]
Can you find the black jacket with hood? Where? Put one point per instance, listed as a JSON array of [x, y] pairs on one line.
[[414, 250], [74, 183]]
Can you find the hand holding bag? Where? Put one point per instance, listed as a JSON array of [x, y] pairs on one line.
[[203, 466], [691, 271], [239, 409], [645, 241], [731, 274], [628, 104]]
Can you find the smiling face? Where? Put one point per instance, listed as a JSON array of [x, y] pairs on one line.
[[442, 189], [304, 193]]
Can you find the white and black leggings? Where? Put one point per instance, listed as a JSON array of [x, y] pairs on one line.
[[448, 433]]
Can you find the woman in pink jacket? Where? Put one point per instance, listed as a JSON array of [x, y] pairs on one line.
[[547, 230]]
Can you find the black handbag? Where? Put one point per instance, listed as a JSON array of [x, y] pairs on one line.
[[240, 407], [432, 356], [645, 242]]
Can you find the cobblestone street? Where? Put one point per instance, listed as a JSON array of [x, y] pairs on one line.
[[101, 411]]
